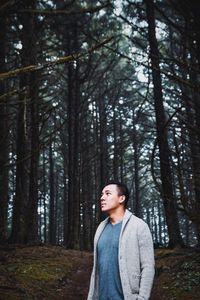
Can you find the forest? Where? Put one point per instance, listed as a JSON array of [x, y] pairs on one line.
[[93, 91]]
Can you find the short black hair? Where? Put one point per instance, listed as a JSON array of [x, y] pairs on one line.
[[122, 190]]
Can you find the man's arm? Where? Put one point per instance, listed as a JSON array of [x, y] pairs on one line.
[[147, 262]]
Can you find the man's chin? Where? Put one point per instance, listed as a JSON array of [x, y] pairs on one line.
[[104, 209]]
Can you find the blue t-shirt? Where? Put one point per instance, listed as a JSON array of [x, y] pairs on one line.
[[110, 287]]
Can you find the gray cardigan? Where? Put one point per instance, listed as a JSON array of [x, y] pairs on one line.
[[136, 259]]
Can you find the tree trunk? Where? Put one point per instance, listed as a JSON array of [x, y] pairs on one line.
[[175, 238], [22, 215], [73, 236], [192, 113], [137, 206], [3, 140], [31, 234], [52, 221], [44, 192], [103, 141], [115, 143], [21, 189], [73, 190]]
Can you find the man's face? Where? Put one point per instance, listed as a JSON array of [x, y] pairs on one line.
[[110, 199]]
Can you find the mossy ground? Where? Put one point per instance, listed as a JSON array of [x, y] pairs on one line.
[[177, 275], [47, 272], [43, 273]]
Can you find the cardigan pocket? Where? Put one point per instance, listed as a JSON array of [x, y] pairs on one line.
[[135, 283]]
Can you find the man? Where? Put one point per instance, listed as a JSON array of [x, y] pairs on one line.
[[123, 251]]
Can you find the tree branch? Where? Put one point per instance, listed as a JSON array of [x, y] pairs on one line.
[[90, 9], [57, 61]]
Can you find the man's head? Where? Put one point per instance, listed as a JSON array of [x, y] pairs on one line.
[[114, 195]]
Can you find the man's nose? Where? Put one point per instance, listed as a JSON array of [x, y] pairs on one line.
[[101, 198]]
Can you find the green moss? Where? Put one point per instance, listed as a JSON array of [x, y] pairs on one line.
[[181, 278], [186, 277], [42, 272], [34, 275]]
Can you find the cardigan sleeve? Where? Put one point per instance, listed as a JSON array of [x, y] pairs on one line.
[[146, 252]]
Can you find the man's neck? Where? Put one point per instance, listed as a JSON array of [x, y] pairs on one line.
[[116, 216]]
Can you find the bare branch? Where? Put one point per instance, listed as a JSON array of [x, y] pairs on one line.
[[58, 61], [72, 11]]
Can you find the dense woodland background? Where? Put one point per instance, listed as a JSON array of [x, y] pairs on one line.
[[92, 91]]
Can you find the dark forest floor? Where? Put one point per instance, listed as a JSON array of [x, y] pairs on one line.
[[46, 272]]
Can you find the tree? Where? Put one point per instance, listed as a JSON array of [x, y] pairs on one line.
[[164, 152], [4, 137], [24, 223]]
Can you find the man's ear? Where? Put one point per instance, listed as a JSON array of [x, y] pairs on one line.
[[122, 199]]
